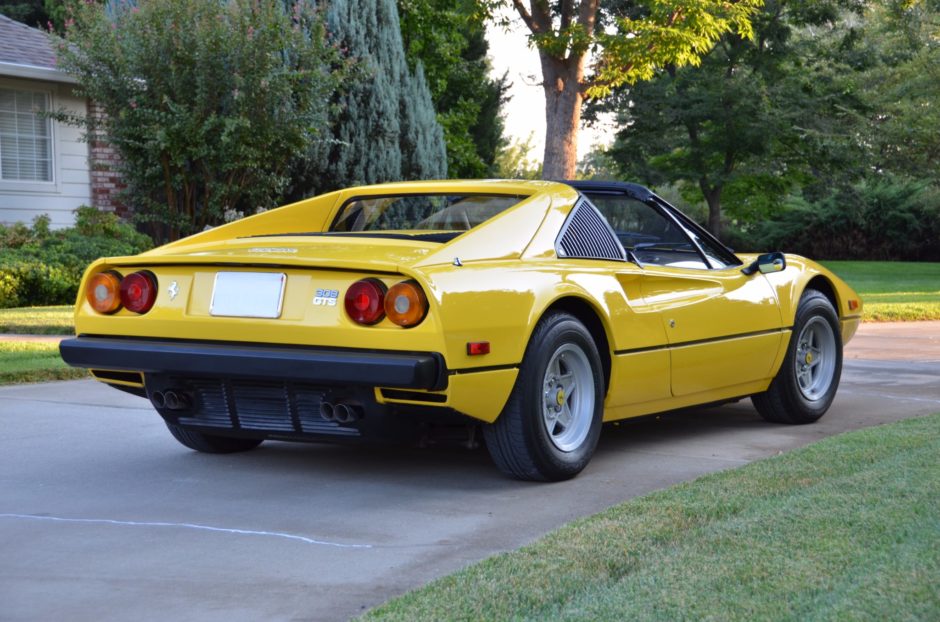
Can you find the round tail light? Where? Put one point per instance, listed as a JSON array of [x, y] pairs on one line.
[[104, 292], [139, 291], [364, 301], [406, 304]]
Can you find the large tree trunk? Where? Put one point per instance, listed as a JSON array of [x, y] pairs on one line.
[[562, 81], [712, 195], [562, 74]]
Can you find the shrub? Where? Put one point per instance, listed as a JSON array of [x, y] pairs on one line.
[[43, 267], [208, 103], [885, 218]]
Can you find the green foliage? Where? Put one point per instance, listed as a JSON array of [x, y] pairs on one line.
[[209, 104], [448, 39], [515, 161], [34, 283], [424, 152], [384, 127], [667, 33], [789, 126], [903, 120], [43, 14], [881, 218], [742, 129], [31, 12], [43, 267], [630, 42]]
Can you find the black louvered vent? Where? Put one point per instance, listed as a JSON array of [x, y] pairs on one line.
[[263, 406], [586, 235]]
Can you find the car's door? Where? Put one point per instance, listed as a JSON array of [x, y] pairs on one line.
[[723, 327]]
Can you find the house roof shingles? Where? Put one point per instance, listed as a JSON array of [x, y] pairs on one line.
[[22, 45], [27, 52]]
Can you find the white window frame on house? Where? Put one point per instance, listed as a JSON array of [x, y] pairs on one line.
[[15, 130]]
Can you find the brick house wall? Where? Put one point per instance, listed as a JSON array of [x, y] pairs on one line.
[[104, 161]]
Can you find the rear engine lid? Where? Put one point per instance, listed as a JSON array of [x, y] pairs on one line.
[[345, 251]]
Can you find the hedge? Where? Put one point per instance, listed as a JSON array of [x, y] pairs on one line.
[[39, 266]]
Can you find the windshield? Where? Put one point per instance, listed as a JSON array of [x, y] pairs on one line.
[[420, 212]]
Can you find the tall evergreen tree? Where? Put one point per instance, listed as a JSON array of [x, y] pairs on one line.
[[449, 38], [424, 155], [384, 126]]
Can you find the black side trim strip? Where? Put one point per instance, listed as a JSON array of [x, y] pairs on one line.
[[639, 350], [474, 370], [699, 342]]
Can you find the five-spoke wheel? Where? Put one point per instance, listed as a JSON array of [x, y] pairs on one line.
[[815, 360], [568, 397]]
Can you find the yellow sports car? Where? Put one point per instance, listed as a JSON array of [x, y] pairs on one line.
[[533, 310]]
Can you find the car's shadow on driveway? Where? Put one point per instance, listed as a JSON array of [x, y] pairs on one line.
[[450, 465]]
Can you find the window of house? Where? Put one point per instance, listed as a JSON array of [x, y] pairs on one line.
[[25, 136]]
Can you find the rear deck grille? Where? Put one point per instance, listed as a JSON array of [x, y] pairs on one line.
[[261, 406]]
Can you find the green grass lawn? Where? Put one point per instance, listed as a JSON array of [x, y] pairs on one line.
[[893, 290], [844, 529], [37, 320], [32, 361]]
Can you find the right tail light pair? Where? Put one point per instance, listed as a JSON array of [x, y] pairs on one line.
[[368, 301]]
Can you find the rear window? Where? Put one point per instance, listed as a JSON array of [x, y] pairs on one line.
[[421, 212]]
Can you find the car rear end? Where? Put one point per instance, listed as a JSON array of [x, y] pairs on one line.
[[286, 326], [270, 345]]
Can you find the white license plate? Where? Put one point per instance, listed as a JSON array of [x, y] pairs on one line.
[[248, 294]]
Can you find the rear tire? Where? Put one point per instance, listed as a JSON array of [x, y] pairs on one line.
[[808, 379], [550, 425], [209, 443]]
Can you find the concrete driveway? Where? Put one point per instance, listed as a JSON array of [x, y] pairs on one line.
[[103, 516]]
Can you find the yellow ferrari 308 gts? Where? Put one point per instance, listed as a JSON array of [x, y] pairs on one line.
[[534, 310]]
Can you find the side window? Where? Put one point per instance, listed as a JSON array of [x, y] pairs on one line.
[[714, 254], [650, 235], [718, 256]]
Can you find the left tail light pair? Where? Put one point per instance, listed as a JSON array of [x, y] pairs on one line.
[[108, 291]]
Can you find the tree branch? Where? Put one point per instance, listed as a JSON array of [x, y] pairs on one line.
[[526, 17], [587, 15], [567, 12]]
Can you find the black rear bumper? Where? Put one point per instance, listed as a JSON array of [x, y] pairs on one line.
[[324, 366]]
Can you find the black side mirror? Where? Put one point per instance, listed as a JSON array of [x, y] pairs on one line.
[[767, 263]]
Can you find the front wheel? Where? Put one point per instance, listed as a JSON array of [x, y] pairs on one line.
[[807, 381], [550, 426], [210, 443]]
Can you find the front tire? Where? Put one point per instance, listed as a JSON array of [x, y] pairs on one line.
[[210, 443], [549, 428], [808, 379]]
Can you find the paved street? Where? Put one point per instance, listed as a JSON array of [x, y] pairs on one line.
[[103, 516]]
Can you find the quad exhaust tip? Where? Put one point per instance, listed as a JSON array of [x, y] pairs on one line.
[[341, 412], [171, 399]]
